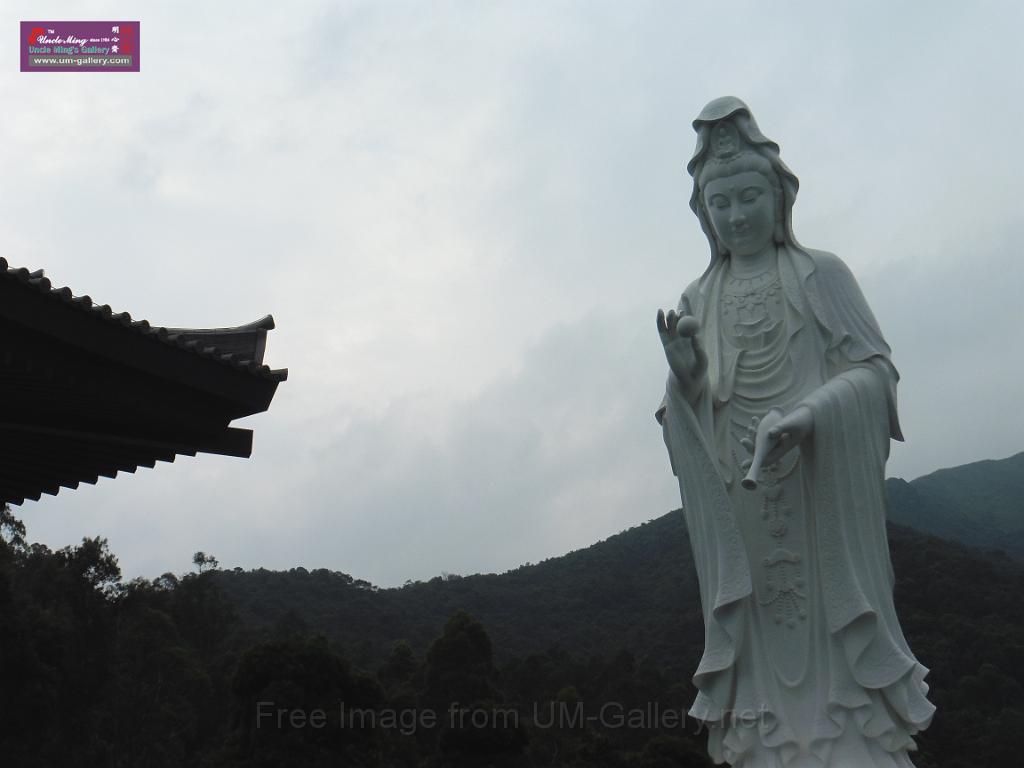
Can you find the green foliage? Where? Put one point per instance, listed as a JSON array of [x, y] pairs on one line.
[[978, 504], [12, 530], [203, 561], [290, 697], [460, 663], [224, 669], [400, 667]]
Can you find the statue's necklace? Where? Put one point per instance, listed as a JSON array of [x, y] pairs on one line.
[[747, 286], [749, 297]]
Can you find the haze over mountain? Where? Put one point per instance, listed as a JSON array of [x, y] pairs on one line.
[[636, 589], [981, 504]]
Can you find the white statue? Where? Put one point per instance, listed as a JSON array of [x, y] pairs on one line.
[[780, 405]]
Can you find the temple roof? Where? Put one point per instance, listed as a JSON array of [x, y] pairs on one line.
[[230, 346], [87, 392]]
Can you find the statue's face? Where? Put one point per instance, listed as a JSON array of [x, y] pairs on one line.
[[742, 212]]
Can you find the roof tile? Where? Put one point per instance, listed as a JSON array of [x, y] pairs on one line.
[[173, 337]]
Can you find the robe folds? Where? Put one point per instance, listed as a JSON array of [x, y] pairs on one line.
[[804, 663]]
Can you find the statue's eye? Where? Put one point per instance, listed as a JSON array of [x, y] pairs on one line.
[[750, 194], [719, 201]]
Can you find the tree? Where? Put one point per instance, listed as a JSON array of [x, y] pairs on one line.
[[12, 530], [93, 562], [202, 561]]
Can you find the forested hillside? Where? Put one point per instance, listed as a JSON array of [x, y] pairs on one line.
[[213, 669], [981, 504]]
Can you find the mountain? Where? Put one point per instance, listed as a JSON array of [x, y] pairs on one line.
[[171, 671], [980, 504], [635, 590], [961, 609]]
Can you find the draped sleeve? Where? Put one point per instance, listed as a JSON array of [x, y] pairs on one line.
[[722, 567], [723, 571], [874, 674], [852, 333]]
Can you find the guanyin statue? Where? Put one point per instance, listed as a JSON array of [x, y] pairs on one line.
[[780, 404]]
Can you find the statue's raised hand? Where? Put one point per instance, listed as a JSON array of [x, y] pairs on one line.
[[683, 350]]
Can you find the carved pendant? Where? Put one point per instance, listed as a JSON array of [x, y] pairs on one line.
[[785, 587]]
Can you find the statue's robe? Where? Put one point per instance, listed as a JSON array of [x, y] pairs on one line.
[[804, 660]]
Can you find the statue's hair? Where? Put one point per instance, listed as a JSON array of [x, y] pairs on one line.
[[739, 163]]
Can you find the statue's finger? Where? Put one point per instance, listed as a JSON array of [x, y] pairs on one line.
[[747, 443], [698, 351], [745, 464], [663, 327]]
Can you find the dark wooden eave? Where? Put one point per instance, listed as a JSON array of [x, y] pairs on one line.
[[87, 392]]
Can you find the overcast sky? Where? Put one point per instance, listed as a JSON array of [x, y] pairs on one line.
[[464, 216]]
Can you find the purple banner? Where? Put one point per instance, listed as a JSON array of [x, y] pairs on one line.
[[79, 46]]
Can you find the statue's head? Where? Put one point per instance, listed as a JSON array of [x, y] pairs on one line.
[[734, 157]]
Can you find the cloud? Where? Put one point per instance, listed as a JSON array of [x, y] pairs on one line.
[[464, 218], [553, 457]]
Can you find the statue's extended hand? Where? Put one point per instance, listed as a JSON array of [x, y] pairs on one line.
[[787, 434], [683, 350]]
